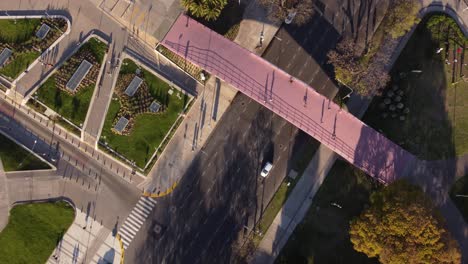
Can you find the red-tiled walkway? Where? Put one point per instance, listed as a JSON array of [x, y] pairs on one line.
[[289, 98]]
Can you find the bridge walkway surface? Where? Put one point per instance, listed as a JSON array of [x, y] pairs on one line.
[[290, 98]]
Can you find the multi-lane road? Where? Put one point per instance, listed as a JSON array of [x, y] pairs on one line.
[[222, 193]]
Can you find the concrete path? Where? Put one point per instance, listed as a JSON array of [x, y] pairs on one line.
[[4, 199], [79, 238]]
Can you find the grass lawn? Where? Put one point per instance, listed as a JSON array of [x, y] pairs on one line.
[[15, 158], [300, 163], [322, 237], [20, 31], [437, 124], [72, 107], [33, 231], [19, 64], [149, 129]]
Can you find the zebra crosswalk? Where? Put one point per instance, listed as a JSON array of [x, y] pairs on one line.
[[136, 219]]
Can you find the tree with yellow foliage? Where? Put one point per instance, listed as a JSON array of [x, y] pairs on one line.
[[403, 226]]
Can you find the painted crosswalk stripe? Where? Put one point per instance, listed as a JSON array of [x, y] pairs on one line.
[[132, 223], [138, 216], [143, 208], [150, 200], [125, 234], [134, 218], [139, 211], [130, 228], [145, 205]]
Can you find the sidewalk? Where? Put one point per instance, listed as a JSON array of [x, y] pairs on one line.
[[83, 235], [4, 199]]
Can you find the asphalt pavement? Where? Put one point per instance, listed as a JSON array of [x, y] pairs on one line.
[[222, 191], [116, 196]]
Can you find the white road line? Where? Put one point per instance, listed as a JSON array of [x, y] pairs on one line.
[[150, 200], [139, 211], [132, 222], [138, 216], [141, 207], [124, 233], [129, 231], [136, 219], [149, 206], [131, 227]]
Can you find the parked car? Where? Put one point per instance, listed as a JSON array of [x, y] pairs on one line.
[[266, 169], [290, 17]]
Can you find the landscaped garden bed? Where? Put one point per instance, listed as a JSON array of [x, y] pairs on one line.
[[184, 64], [145, 131], [425, 107], [73, 104], [33, 231], [19, 36]]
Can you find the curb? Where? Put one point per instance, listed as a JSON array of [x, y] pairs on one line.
[[122, 250], [52, 46], [58, 65], [158, 195]]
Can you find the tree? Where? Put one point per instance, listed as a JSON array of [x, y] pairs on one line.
[[402, 226], [345, 58], [351, 71], [444, 29], [401, 16], [206, 9], [279, 10]]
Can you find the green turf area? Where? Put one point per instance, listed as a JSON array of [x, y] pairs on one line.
[[73, 107], [149, 129], [19, 64], [16, 158], [33, 231], [436, 126], [459, 195], [21, 31], [322, 237], [299, 164]]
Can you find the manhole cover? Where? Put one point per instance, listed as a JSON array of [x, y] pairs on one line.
[[157, 229], [172, 209]]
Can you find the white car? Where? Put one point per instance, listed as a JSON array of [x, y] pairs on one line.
[[290, 17], [266, 169]]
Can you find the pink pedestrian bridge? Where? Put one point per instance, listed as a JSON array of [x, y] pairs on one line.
[[289, 98]]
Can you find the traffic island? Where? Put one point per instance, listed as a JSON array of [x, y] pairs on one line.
[[144, 112], [23, 40], [33, 231], [66, 95]]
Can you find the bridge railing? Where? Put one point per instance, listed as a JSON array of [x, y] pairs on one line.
[[216, 64]]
